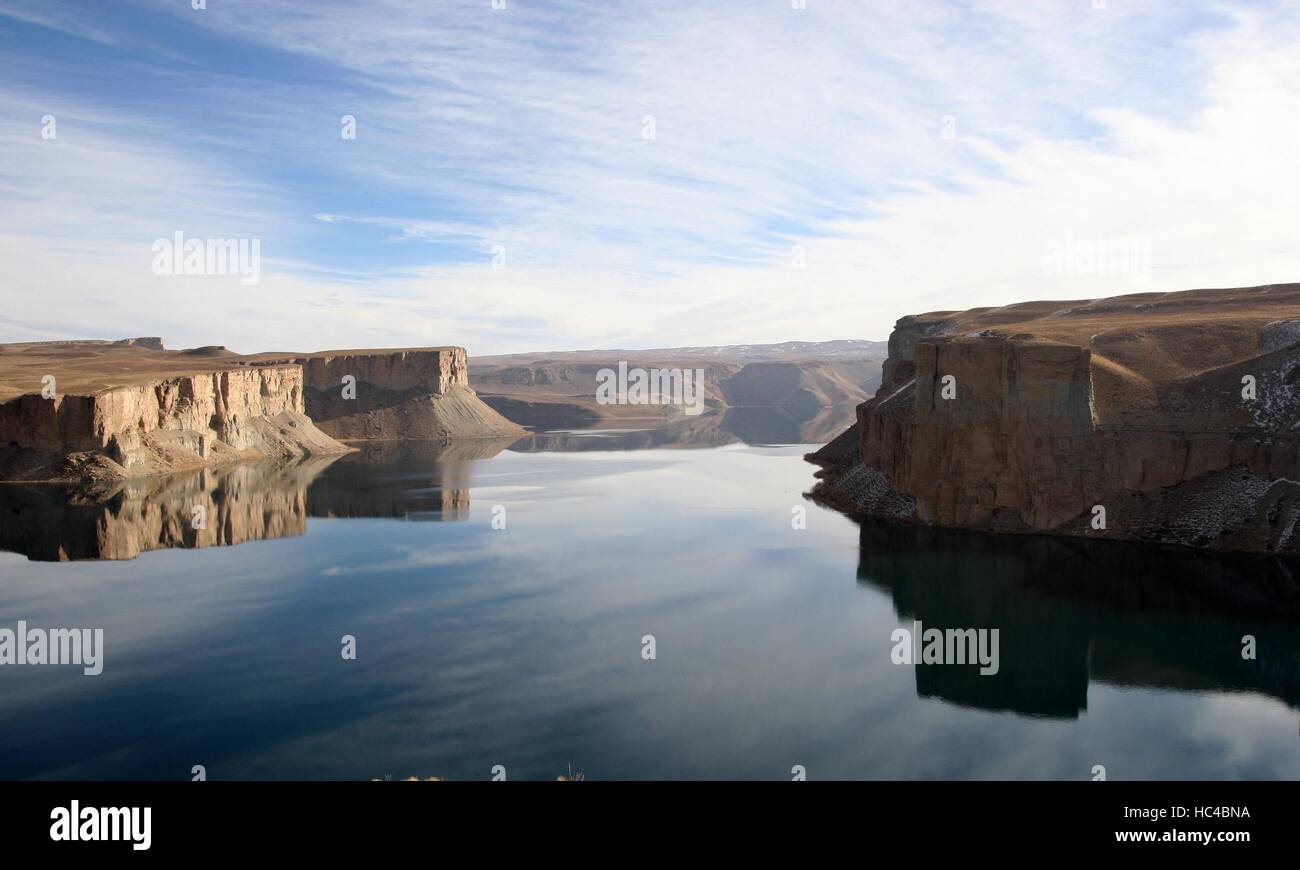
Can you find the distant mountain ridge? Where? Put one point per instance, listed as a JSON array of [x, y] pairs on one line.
[[797, 380], [786, 351]]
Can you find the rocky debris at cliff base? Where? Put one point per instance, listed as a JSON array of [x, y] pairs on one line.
[[1231, 509], [860, 491]]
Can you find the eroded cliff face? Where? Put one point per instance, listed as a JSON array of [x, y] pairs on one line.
[[418, 393], [101, 410], [428, 370], [161, 426], [1161, 417]]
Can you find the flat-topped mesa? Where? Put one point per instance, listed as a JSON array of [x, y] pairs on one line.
[[163, 425], [100, 410], [427, 369], [386, 394], [1163, 417]]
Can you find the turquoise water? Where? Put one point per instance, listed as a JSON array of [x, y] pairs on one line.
[[524, 646]]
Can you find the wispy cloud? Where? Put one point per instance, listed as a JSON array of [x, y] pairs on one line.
[[643, 173]]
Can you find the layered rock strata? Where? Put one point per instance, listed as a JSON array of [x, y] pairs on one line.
[[78, 411], [162, 426], [417, 393], [1162, 417]]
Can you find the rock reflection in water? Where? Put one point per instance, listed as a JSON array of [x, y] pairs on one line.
[[412, 480], [756, 425], [1070, 612], [409, 480], [213, 507]]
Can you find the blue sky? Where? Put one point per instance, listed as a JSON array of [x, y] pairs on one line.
[[813, 173]]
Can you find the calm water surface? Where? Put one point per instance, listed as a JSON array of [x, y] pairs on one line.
[[522, 646]]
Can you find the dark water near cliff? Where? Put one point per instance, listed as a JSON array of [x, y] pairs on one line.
[[522, 646]]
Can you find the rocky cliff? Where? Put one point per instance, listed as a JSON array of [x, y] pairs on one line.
[[1159, 417], [414, 393], [162, 425], [77, 411]]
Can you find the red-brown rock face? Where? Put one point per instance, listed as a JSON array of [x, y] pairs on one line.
[[1177, 415], [1017, 408]]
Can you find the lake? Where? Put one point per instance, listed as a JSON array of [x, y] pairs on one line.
[[622, 605]]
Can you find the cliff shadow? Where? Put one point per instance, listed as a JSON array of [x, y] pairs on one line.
[[1072, 612]]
